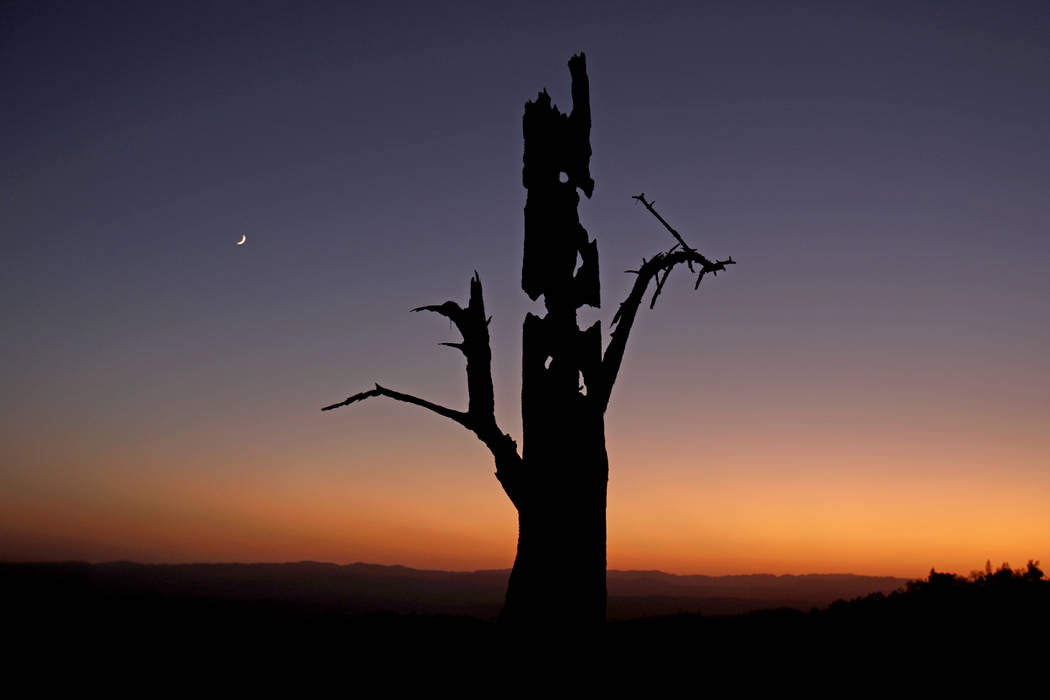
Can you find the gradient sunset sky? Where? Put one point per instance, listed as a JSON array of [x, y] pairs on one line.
[[867, 391]]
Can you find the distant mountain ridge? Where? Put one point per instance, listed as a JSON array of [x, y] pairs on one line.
[[362, 588]]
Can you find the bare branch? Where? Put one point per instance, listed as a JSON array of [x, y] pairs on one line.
[[458, 416], [662, 220], [355, 398], [660, 285], [623, 321], [449, 309], [659, 268], [480, 415], [714, 268]]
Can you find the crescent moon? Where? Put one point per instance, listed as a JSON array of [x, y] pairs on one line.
[[244, 237]]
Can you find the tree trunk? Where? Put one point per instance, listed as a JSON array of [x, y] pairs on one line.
[[558, 579], [559, 572]]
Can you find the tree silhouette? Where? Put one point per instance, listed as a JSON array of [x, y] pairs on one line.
[[558, 482]]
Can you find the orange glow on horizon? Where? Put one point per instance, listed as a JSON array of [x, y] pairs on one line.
[[679, 518]]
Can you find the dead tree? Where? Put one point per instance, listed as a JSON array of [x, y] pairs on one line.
[[558, 482]]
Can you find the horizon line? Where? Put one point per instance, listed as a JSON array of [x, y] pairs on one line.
[[426, 570]]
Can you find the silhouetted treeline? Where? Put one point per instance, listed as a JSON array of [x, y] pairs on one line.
[[945, 617], [990, 599]]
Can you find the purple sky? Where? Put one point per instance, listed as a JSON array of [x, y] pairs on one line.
[[881, 171]]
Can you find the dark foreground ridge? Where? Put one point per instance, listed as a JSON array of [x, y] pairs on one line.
[[358, 589], [302, 612]]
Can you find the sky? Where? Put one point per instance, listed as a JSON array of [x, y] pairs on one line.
[[867, 391]]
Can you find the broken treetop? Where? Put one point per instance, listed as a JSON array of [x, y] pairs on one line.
[[558, 146]]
